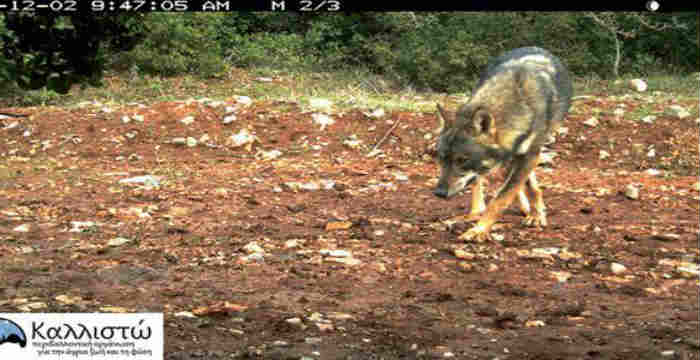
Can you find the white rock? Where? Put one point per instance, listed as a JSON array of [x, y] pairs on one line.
[[335, 253], [677, 111], [214, 103], [547, 158], [592, 122], [638, 84], [648, 119], [22, 228], [229, 118], [310, 186], [264, 79], [187, 120], [632, 192], [252, 248], [653, 172], [291, 243], [79, 226], [651, 153], [185, 314], [400, 176], [138, 118], [617, 268], [322, 119], [126, 119], [377, 113], [327, 184], [562, 130], [191, 142], [148, 180], [243, 137], [118, 241], [11, 125], [619, 112], [295, 321], [243, 100], [268, 155], [602, 154], [352, 142]]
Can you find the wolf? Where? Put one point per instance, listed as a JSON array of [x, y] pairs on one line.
[[520, 98]]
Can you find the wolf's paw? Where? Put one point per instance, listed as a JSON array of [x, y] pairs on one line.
[[535, 220], [478, 233], [467, 217]]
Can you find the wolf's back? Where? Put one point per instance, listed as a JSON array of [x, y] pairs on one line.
[[536, 59]]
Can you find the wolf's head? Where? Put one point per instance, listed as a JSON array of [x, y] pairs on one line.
[[466, 148]]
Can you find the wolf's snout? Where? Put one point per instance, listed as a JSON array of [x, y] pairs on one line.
[[440, 192]]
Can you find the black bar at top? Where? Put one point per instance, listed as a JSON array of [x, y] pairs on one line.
[[67, 6]]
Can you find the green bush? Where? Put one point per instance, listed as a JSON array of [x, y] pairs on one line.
[[177, 44]]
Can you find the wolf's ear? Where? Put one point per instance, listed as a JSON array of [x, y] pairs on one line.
[[444, 118], [483, 122]]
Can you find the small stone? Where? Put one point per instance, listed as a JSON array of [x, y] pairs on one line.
[[322, 119], [312, 340], [335, 253], [243, 100], [377, 113], [592, 122], [185, 314], [638, 85], [677, 111], [187, 120], [252, 248], [602, 154], [649, 119], [617, 268], [118, 241], [191, 142], [22, 228], [632, 192], [229, 119]]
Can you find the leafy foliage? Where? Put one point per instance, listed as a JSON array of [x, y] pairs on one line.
[[69, 52], [427, 50], [178, 43]]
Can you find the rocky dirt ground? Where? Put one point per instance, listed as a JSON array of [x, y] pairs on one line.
[[264, 230]]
